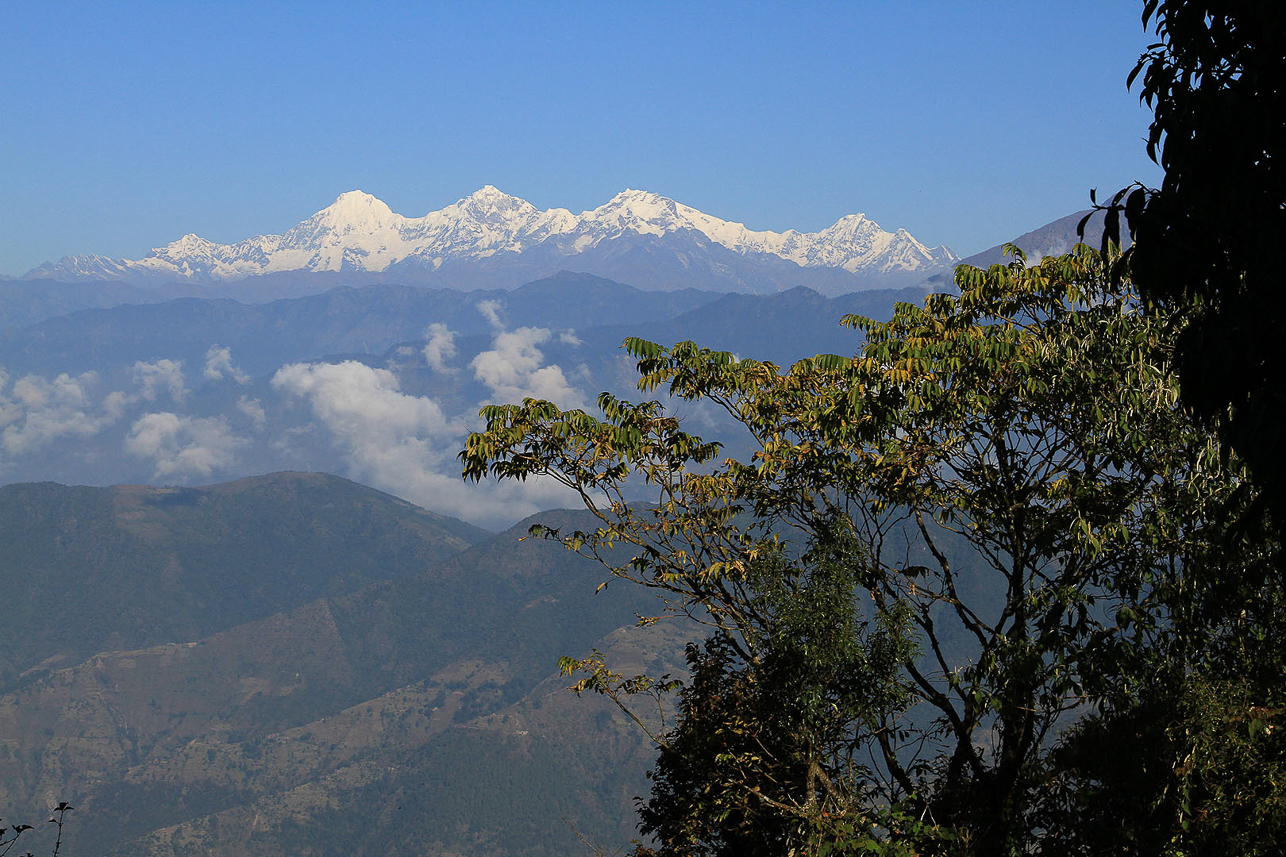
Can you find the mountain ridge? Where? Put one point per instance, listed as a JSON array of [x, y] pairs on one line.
[[127, 566], [360, 233]]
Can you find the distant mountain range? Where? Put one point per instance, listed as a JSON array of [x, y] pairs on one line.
[[492, 239], [373, 319]]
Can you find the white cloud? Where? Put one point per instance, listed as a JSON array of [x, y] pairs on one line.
[[512, 369], [361, 402], [405, 444], [183, 447], [218, 364], [439, 348], [491, 312], [391, 438], [254, 410], [163, 376], [570, 338], [39, 410]]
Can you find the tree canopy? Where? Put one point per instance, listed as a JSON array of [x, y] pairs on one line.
[[941, 554], [1207, 243]]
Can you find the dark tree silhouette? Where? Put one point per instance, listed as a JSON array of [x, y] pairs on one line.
[[1211, 241]]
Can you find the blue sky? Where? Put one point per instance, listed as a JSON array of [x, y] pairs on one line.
[[124, 127]]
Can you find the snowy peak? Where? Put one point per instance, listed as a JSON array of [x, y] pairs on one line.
[[488, 201], [81, 267], [635, 211], [359, 232], [487, 206], [356, 211], [188, 247], [640, 203]]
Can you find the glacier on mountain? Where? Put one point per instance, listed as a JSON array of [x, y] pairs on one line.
[[359, 232]]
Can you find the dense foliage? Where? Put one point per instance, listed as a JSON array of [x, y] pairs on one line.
[[1205, 724], [942, 553], [1207, 243]]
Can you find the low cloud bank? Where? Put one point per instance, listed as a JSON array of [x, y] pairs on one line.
[[37, 411], [403, 444], [219, 365], [357, 419], [184, 447], [512, 369]]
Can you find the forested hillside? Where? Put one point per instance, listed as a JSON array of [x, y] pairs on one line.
[[296, 657], [88, 570]]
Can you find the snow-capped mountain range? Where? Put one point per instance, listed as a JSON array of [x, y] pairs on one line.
[[650, 239]]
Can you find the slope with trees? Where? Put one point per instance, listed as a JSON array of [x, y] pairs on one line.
[[304, 731], [91, 569]]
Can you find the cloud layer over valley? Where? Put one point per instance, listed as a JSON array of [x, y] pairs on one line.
[[380, 384], [394, 421]]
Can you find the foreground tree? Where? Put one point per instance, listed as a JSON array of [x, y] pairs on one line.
[[1207, 243], [1207, 724], [940, 552]]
